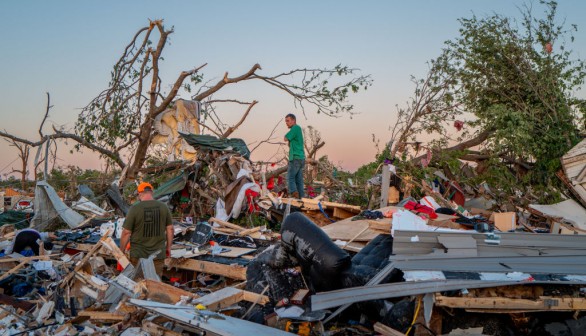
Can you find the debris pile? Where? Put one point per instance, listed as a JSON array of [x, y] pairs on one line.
[[435, 265]]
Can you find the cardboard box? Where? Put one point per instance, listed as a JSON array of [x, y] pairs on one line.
[[505, 221]]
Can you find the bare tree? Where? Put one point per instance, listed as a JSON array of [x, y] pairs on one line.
[[118, 122]]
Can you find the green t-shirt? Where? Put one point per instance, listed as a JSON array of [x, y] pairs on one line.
[[148, 223], [295, 137]]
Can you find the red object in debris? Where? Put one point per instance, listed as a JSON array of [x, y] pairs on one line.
[[271, 183], [548, 47], [458, 124], [250, 196], [420, 208]]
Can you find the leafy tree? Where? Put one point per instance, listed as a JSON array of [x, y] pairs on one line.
[[512, 82]]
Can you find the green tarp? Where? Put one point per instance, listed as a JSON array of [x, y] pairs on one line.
[[19, 219], [210, 142], [174, 185]]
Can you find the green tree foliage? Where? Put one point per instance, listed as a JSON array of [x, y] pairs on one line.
[[518, 78], [514, 82]]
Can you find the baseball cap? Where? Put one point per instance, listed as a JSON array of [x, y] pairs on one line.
[[144, 186]]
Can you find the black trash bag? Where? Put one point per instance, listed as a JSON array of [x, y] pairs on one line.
[[320, 259]]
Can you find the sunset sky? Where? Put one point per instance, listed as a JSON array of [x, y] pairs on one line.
[[68, 48]]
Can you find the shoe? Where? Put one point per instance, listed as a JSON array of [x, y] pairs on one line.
[[295, 194]]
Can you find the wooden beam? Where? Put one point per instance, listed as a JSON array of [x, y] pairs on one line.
[[226, 224], [231, 271], [163, 292], [255, 298], [249, 231], [222, 298], [500, 303], [82, 262], [341, 213], [386, 330], [101, 315], [229, 296], [111, 246]]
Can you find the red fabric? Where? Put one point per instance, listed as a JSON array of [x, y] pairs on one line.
[[250, 195], [420, 208], [271, 183]]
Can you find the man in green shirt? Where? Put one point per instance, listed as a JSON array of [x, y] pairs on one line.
[[149, 229], [296, 157]]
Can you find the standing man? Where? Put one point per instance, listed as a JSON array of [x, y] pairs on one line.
[[148, 228], [296, 157]]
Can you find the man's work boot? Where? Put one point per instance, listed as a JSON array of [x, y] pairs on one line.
[[295, 194]]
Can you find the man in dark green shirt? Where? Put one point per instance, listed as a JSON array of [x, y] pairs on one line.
[[149, 229], [296, 157]]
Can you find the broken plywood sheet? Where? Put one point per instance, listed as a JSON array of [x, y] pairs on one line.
[[569, 210]]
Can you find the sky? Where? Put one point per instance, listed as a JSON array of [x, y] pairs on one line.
[[68, 48]]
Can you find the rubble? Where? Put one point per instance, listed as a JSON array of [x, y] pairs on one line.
[[315, 267]]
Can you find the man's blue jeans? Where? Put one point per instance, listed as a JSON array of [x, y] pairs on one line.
[[295, 177]]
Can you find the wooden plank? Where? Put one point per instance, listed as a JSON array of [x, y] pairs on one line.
[[383, 224], [231, 271], [249, 231], [26, 259], [222, 298], [111, 246], [342, 213], [386, 330], [162, 292], [226, 224], [82, 262], [498, 303], [101, 315], [225, 230], [255, 298]]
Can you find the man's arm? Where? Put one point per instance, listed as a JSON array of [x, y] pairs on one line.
[[124, 239], [170, 235]]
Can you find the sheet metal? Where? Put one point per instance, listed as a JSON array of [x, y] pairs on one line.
[[386, 291], [211, 322], [49, 206]]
